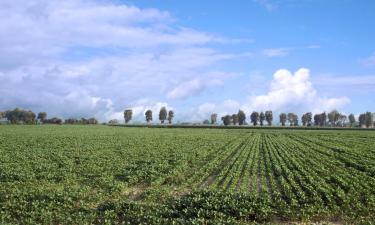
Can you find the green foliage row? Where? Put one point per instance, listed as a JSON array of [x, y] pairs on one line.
[[115, 175]]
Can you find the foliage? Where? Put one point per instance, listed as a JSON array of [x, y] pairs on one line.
[[254, 118], [283, 119], [213, 118], [42, 116], [269, 117], [241, 117], [85, 121], [162, 114], [128, 115], [116, 175], [148, 115], [170, 116], [17, 116], [227, 120]]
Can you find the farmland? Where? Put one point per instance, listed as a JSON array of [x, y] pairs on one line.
[[101, 174]]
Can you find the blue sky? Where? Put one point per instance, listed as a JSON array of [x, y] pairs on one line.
[[95, 58]]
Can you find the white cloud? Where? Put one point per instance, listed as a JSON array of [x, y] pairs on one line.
[[276, 52], [186, 89], [287, 93], [78, 58], [290, 92]]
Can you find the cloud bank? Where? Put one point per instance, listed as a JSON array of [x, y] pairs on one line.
[[95, 58]]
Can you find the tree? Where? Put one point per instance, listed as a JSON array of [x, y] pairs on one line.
[[20, 116], [323, 119], [254, 118], [170, 116], [128, 114], [283, 119], [148, 115], [362, 120], [112, 122], [291, 119], [42, 116], [2, 115], [269, 117], [351, 119], [306, 119], [333, 117], [342, 120], [235, 119], [54, 120], [316, 119], [295, 120], [226, 120], [369, 119], [241, 117], [213, 118], [92, 121], [206, 122], [262, 118], [162, 114]]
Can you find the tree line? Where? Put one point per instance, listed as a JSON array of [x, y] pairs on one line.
[[331, 119], [21, 116], [164, 115]]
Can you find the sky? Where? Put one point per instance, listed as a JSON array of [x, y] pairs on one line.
[[95, 58]]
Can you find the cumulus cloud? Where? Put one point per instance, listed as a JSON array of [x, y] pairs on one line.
[[287, 93], [294, 92]]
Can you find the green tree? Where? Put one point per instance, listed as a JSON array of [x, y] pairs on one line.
[[213, 118], [333, 117], [42, 116], [269, 117], [113, 122], [293, 119], [254, 118], [362, 120], [170, 116], [162, 114], [92, 121], [306, 119], [226, 120], [262, 118], [235, 119], [128, 115], [317, 119], [323, 119], [20, 116], [283, 119], [241, 117], [342, 120], [369, 119], [352, 119], [148, 115]]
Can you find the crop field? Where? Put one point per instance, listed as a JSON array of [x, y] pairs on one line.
[[117, 175]]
